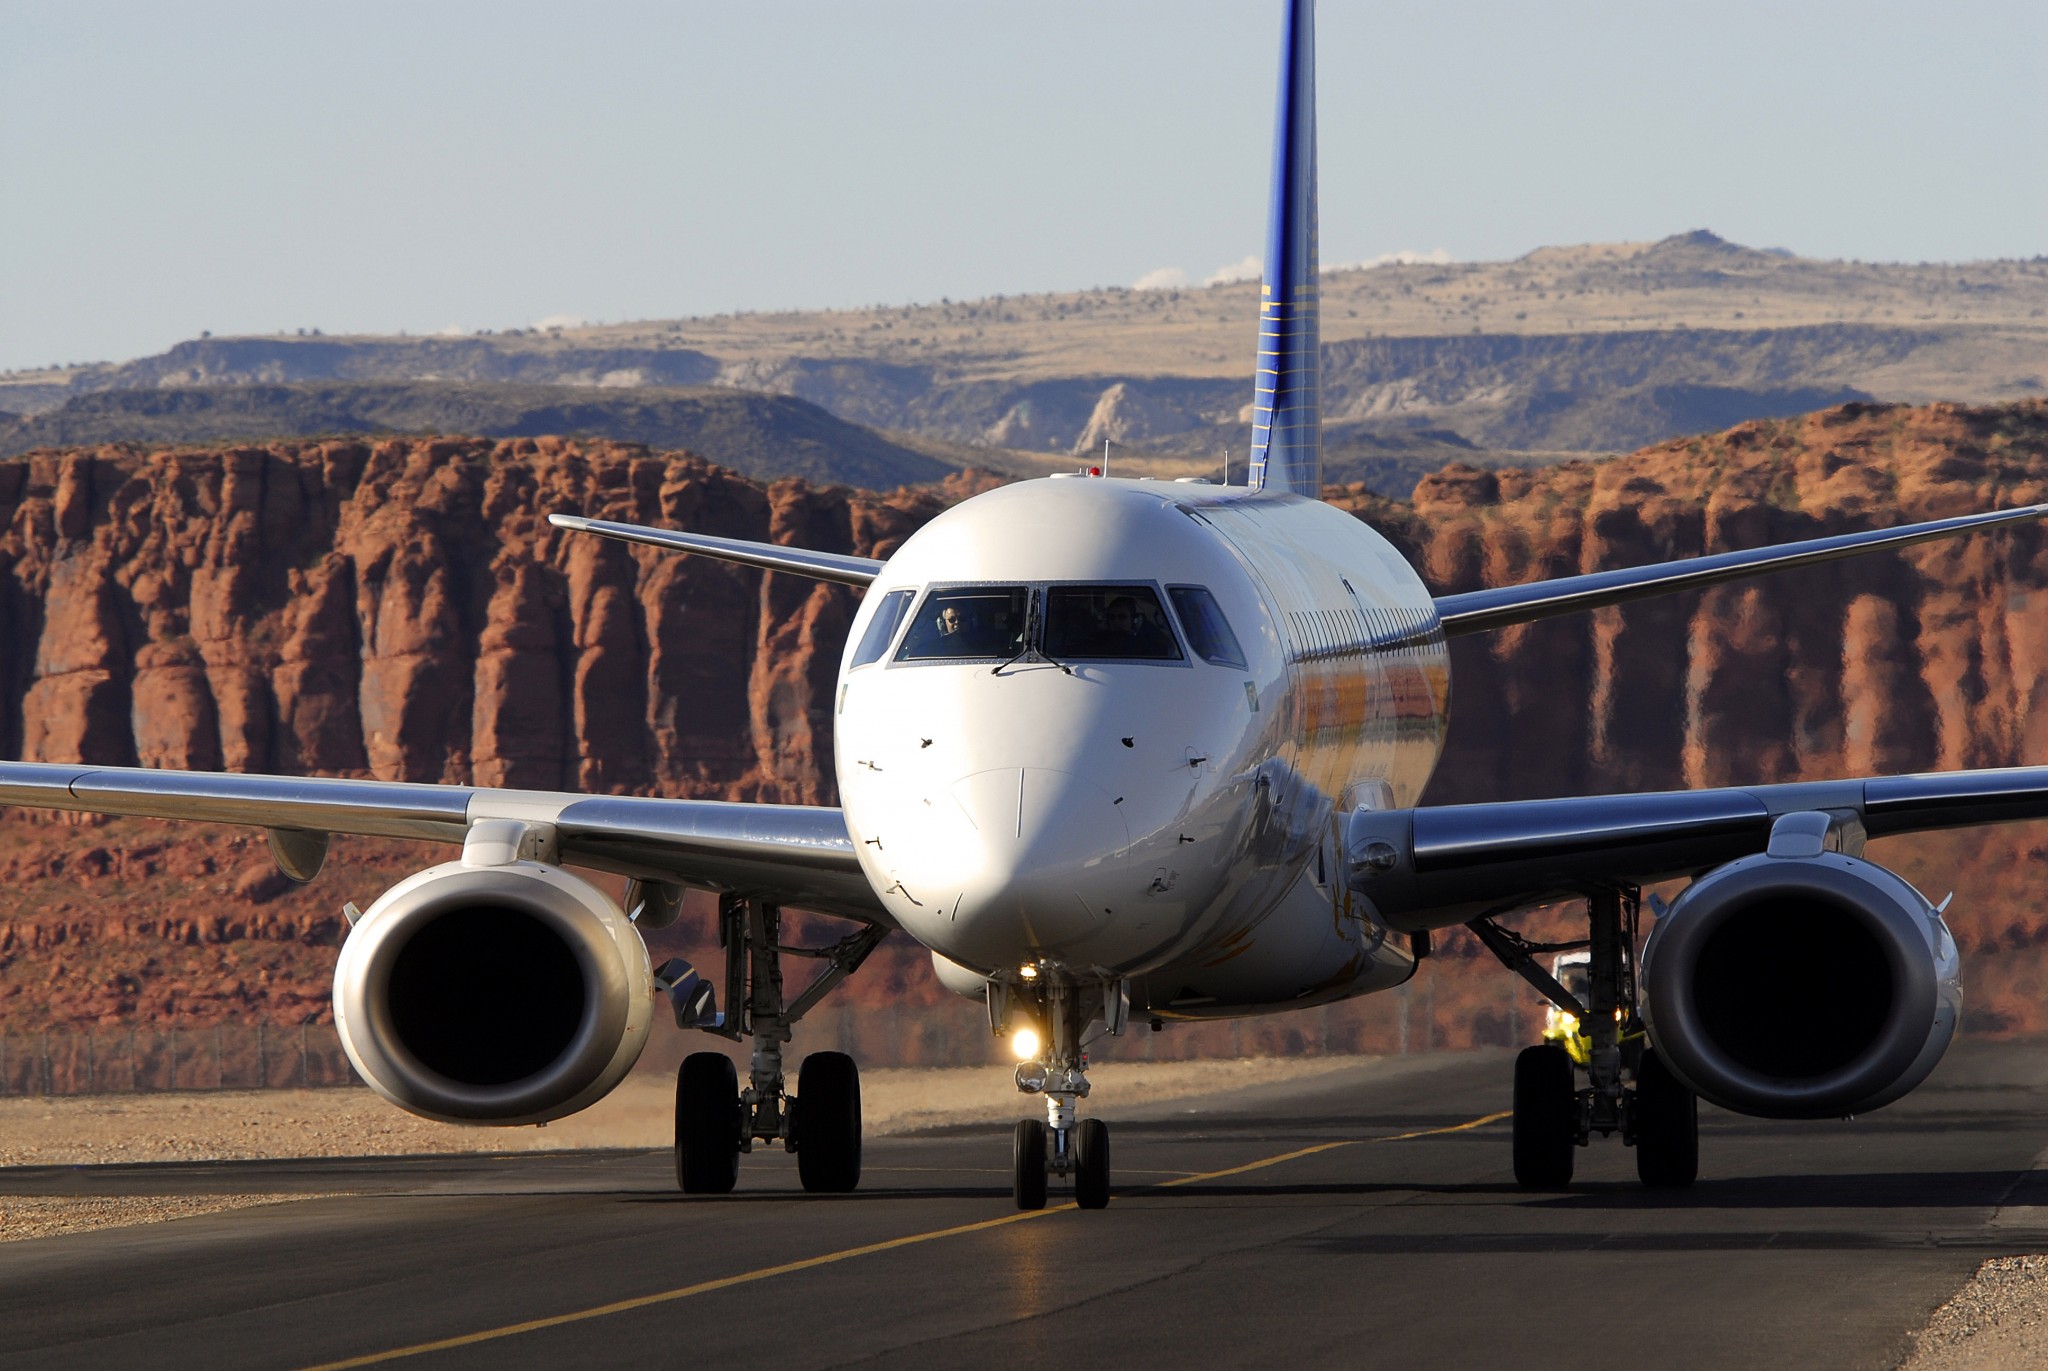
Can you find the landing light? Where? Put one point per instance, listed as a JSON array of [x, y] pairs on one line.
[[1028, 972], [1024, 1042]]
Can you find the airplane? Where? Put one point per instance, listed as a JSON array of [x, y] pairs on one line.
[[1125, 751]]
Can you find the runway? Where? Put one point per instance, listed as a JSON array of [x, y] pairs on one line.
[[1364, 1216]]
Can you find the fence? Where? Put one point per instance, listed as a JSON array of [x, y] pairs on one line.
[[302, 1056], [215, 1057]]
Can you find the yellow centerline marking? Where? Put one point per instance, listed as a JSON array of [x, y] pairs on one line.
[[685, 1292]]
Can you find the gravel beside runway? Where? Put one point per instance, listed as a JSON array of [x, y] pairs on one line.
[[250, 1125], [47, 1216], [1997, 1322], [87, 1130]]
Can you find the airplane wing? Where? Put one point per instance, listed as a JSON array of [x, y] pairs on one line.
[[1432, 867], [1475, 611], [822, 566], [791, 854], [1472, 611]]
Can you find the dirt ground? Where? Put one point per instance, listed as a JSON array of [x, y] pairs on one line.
[[253, 1124], [1996, 1322]]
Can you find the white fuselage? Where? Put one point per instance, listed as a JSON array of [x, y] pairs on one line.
[[1162, 816]]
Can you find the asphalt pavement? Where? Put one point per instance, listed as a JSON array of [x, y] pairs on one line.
[[1367, 1216]]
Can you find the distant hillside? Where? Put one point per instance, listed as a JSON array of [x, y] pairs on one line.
[[762, 436], [246, 361], [1591, 349]]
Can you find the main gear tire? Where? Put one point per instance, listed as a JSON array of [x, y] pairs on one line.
[[825, 1123], [1546, 1118], [707, 1124], [1667, 1127]]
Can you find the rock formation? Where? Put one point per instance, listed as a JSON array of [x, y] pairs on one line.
[[402, 610]]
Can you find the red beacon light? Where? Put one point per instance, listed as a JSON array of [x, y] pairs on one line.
[[1094, 471]]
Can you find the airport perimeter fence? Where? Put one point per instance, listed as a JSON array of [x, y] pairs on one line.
[[213, 1057], [309, 1056]]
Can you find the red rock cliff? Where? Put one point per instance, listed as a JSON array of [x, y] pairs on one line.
[[1931, 658], [402, 610]]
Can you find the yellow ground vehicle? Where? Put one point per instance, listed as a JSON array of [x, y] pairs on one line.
[[1573, 971]]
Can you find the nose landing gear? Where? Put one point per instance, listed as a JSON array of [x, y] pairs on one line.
[[1065, 1144], [716, 1120]]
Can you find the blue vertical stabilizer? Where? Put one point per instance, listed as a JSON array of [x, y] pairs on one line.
[[1287, 417]]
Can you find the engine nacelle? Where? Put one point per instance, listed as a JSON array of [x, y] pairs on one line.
[[1807, 986], [507, 994]]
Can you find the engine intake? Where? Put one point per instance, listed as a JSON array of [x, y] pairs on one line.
[[1803, 986], [505, 994]]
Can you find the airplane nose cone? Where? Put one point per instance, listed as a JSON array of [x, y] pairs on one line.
[[1023, 870]]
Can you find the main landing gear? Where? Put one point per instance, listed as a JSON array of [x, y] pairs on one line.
[[717, 1120], [1064, 1145], [1555, 1116]]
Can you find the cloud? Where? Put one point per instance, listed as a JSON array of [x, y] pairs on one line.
[[1250, 269], [453, 330], [560, 321], [1165, 278], [1406, 257]]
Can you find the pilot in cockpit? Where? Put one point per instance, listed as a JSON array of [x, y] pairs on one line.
[[1125, 632], [964, 633]]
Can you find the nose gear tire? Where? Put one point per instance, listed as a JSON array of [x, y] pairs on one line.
[[825, 1123], [1546, 1122], [1027, 1171], [707, 1124], [1091, 1164], [1667, 1127]]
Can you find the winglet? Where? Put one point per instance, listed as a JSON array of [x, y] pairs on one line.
[[1287, 420], [820, 566]]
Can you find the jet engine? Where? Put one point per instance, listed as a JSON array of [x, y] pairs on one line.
[[496, 994], [1799, 985]]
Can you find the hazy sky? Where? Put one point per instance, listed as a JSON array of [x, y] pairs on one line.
[[168, 168]]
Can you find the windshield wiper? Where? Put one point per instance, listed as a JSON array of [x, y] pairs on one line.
[[1034, 629], [1034, 653]]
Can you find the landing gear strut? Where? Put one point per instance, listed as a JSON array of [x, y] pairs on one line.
[[716, 1120], [1657, 1116], [1065, 1144]]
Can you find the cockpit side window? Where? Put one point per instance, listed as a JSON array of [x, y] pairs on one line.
[[958, 623], [1201, 618], [874, 644], [1108, 623]]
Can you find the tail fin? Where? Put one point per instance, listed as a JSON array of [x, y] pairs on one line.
[[1287, 417]]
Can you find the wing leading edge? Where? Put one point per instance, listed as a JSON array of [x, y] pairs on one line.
[[1476, 611], [1434, 867], [822, 566], [782, 853]]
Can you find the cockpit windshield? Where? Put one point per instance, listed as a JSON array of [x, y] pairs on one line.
[[882, 628], [965, 622], [1107, 623], [1201, 618]]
